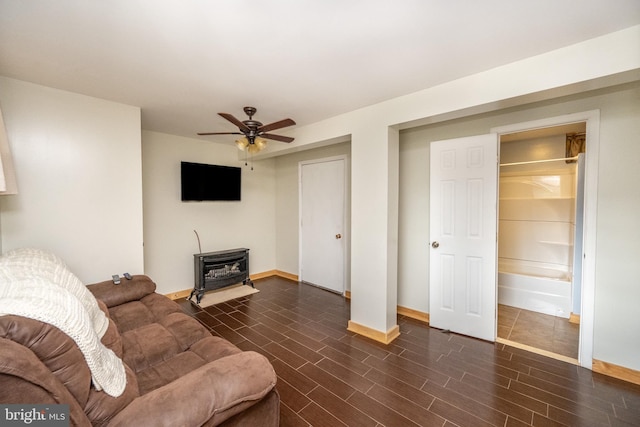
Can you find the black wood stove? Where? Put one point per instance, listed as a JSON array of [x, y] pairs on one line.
[[215, 270]]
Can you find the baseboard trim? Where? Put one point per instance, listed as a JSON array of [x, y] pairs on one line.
[[374, 334], [574, 318], [619, 372], [414, 314], [404, 311], [264, 274], [286, 275], [179, 294], [538, 351], [185, 293]]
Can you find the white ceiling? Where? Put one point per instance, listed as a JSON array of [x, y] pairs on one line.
[[183, 61]]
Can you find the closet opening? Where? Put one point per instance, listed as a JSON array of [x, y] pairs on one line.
[[540, 235]]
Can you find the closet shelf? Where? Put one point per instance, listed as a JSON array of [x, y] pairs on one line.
[[537, 198], [548, 242], [530, 162], [537, 220]]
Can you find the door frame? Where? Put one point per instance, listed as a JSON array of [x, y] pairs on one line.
[[345, 233], [587, 310]]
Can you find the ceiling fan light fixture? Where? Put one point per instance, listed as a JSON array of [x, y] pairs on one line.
[[242, 143], [259, 144], [253, 145]]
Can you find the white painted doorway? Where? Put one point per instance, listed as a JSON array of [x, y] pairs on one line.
[[322, 192], [587, 311], [592, 119], [463, 220]]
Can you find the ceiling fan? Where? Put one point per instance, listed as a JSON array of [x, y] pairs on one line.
[[254, 131]]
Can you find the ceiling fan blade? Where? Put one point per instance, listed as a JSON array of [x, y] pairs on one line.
[[220, 133], [276, 125], [235, 121], [277, 137]]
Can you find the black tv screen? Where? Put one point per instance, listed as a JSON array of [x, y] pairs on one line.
[[201, 182]]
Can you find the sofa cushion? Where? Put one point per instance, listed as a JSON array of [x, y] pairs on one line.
[[148, 345], [216, 392], [134, 314], [168, 371], [214, 348], [53, 349], [130, 316], [111, 339], [127, 290], [100, 407], [199, 354], [26, 379], [186, 330]]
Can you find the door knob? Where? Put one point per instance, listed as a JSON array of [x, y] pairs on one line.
[[435, 245], [338, 236]]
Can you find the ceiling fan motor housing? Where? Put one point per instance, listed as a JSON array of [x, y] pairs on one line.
[[253, 125]]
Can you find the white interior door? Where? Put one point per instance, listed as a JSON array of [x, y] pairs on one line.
[[322, 218], [463, 232]]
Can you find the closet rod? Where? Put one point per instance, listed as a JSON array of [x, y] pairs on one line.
[[538, 161]]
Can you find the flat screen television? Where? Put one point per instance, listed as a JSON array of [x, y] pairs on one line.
[[202, 182]]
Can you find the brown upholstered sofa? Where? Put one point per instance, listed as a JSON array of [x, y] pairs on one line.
[[177, 372]]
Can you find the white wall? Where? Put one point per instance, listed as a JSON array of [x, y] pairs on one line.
[[413, 223], [617, 329], [618, 246], [78, 171], [287, 203], [169, 240]]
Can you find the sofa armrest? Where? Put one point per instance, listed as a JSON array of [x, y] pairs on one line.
[[128, 290], [215, 391]]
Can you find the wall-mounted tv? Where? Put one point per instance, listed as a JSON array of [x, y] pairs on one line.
[[202, 182]]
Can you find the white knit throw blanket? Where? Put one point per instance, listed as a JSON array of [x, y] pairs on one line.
[[37, 285]]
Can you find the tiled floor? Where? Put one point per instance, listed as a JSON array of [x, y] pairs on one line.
[[328, 376], [542, 331]]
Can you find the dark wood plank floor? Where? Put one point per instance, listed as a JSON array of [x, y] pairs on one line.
[[328, 376], [541, 331]]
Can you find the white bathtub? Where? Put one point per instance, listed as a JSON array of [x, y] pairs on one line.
[[544, 289]]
